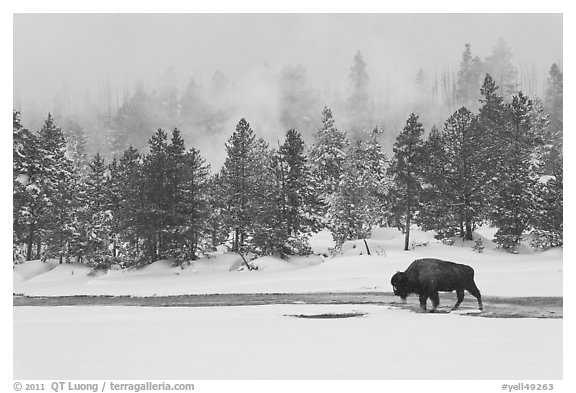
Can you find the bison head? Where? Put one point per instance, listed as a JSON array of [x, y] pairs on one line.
[[400, 285]]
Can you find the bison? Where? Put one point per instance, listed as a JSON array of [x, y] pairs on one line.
[[427, 276]]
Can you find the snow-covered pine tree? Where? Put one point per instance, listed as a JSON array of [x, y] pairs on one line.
[[114, 190], [377, 179], [458, 186], [98, 219], [76, 145], [299, 203], [193, 207], [358, 203], [406, 173], [175, 222], [26, 196], [513, 200], [348, 210], [216, 222], [56, 181], [436, 213], [327, 156], [491, 151], [157, 196], [269, 233], [240, 176], [547, 219], [132, 216]]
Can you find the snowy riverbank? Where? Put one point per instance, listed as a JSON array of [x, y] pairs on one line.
[[498, 273]]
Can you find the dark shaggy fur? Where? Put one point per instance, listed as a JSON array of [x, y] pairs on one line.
[[426, 277]]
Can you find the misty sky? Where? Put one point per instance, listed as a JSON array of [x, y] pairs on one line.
[[80, 51]]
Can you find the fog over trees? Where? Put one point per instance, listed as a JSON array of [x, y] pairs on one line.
[[116, 78], [259, 153]]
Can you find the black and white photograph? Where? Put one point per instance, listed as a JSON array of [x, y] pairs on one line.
[[287, 197]]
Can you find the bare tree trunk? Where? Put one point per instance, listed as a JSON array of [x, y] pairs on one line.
[[407, 235], [245, 261], [367, 248], [30, 243], [468, 229], [38, 247], [60, 252]]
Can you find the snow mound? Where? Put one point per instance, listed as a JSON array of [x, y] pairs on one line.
[[63, 272], [306, 261], [321, 242], [30, 269], [160, 266], [216, 263], [269, 263]]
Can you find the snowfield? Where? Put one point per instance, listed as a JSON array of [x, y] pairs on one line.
[[261, 342], [268, 342], [498, 273]]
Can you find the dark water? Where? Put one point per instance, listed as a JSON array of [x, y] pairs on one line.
[[494, 307]]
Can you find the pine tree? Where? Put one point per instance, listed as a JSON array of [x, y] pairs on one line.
[[116, 200], [406, 171], [76, 145], [216, 220], [56, 180], [513, 200], [327, 156], [269, 234], [157, 196], [469, 78], [240, 176], [436, 212], [553, 103], [455, 193], [192, 208], [499, 65], [27, 197], [358, 204], [299, 203], [492, 120], [359, 105], [98, 225], [547, 218], [137, 117], [175, 225], [132, 216]]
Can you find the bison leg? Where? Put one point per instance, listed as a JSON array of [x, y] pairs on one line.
[[473, 289], [435, 300], [423, 298], [460, 295]]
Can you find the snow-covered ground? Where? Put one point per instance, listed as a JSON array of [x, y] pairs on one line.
[[261, 342], [498, 273]]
